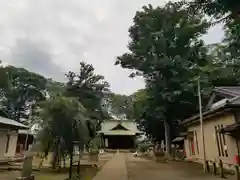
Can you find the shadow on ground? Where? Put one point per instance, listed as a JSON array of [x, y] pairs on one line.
[[47, 173], [142, 169]]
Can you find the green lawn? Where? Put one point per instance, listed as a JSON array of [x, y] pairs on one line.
[[49, 174]]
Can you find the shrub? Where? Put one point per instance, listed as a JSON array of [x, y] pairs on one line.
[[143, 147]]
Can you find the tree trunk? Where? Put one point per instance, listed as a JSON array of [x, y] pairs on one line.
[[64, 161], [43, 157], [41, 162], [167, 139], [54, 159]]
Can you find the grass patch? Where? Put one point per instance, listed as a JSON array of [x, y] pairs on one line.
[[48, 174]]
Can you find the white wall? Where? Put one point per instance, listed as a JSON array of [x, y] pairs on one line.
[[12, 144], [2, 145], [211, 147]]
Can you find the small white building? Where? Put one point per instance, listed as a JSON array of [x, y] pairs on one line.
[[8, 137]]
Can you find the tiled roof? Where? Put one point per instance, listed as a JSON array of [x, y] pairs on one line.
[[119, 132], [230, 90], [178, 139], [11, 122], [108, 125], [25, 131], [230, 128], [233, 92]]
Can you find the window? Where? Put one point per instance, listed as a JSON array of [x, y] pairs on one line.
[[7, 145], [224, 142], [218, 145], [196, 138], [191, 144], [221, 141]]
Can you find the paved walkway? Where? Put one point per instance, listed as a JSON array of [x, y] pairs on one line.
[[114, 169], [126, 167]]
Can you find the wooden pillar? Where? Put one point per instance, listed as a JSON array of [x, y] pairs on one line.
[[221, 169], [214, 169], [71, 161], [207, 166], [237, 172]]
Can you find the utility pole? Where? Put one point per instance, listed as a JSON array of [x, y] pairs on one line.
[[201, 124]]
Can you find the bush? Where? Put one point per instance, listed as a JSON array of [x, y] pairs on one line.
[[143, 147], [159, 154]]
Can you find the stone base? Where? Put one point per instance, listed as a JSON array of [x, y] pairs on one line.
[[26, 178]]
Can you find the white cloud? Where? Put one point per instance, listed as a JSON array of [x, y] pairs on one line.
[[52, 37]]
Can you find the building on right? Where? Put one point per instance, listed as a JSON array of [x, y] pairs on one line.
[[221, 125]]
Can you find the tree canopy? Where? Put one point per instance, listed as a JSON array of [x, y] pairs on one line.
[[20, 90], [121, 106], [64, 120], [90, 89], [166, 49], [220, 9]]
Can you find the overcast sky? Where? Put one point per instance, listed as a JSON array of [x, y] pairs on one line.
[[51, 37]]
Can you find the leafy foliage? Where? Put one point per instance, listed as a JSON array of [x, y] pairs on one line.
[[22, 89], [90, 89], [218, 8], [165, 49], [55, 88], [146, 118], [121, 106], [64, 121]]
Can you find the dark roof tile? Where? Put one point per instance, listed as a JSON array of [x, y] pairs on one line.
[[229, 90]]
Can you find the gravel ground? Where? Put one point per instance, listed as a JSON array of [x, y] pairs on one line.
[[142, 169]]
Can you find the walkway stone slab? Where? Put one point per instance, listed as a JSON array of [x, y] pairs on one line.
[[113, 169]]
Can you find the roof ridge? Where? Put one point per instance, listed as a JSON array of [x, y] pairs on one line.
[[233, 99], [228, 91]]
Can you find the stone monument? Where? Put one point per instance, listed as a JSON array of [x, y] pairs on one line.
[[26, 173]]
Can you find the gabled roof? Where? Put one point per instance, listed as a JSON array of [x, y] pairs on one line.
[[128, 127], [119, 127], [228, 105], [119, 132], [11, 122], [225, 107], [230, 128], [224, 93], [25, 131]]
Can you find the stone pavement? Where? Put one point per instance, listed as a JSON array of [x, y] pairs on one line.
[[113, 169], [123, 166]]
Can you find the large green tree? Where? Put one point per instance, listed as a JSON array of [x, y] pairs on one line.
[[166, 50], [64, 120], [55, 88], [219, 9], [146, 121], [228, 13], [145, 116], [22, 91], [91, 90], [121, 106]]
